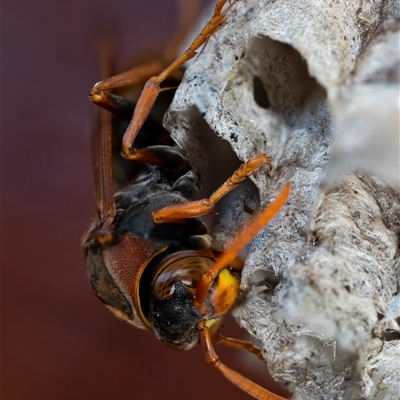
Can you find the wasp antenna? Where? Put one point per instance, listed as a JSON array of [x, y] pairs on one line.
[[243, 238]]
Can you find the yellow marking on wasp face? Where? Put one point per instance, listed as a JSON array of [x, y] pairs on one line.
[[225, 292], [211, 322], [213, 325]]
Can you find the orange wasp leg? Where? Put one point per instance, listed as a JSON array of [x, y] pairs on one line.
[[237, 379], [152, 86], [204, 206], [243, 238], [142, 72], [138, 74], [240, 345]]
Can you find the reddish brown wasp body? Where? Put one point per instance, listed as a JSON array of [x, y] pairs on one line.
[[149, 256]]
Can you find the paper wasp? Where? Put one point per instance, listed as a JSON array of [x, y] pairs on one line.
[[149, 256]]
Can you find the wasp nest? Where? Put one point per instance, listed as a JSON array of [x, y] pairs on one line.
[[315, 84]]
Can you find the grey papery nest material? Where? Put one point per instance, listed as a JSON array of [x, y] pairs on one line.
[[315, 84]]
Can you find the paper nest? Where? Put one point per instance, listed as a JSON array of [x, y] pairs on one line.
[[315, 84]]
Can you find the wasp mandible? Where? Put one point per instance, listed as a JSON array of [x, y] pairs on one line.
[[150, 258]]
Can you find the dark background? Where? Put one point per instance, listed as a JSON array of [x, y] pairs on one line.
[[59, 342]]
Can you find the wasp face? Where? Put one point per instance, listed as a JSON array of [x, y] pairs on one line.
[[171, 311]]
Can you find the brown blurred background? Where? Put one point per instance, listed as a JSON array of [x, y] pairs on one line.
[[59, 342]]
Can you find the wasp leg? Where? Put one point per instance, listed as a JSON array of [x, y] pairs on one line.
[[204, 206], [152, 86], [165, 156], [237, 379], [242, 239], [142, 72], [102, 160], [104, 184], [113, 103], [241, 345], [138, 74], [104, 181]]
